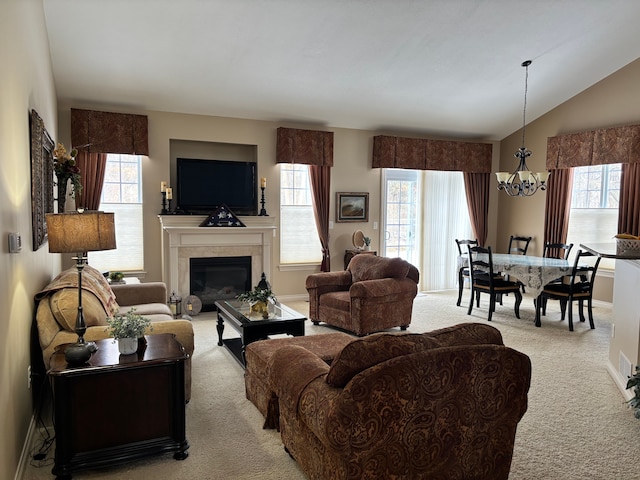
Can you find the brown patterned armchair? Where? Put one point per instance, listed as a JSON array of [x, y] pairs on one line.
[[372, 294], [440, 405]]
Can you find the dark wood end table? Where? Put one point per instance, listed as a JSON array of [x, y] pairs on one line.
[[252, 327], [118, 408]]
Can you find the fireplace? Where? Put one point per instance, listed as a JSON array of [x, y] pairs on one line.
[[183, 239], [219, 278]]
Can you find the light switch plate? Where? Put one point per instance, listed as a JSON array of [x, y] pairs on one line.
[[15, 243]]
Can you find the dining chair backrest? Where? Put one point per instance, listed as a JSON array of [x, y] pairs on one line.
[[462, 245], [583, 276], [480, 261], [519, 245], [557, 250]]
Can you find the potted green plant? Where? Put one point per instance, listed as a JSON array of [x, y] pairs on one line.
[[634, 382], [116, 277], [367, 243], [259, 299], [126, 329]]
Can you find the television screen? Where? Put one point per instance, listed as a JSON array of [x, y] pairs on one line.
[[204, 185]]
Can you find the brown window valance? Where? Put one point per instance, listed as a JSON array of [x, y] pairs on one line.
[[310, 147], [595, 147], [425, 154], [106, 132]]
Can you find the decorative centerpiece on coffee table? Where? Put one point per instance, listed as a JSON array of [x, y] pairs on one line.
[[259, 299], [127, 329]]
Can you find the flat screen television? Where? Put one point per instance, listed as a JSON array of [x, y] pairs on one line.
[[204, 185]]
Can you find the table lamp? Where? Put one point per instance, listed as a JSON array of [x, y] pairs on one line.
[[80, 233]]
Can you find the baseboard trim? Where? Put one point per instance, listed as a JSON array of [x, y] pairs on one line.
[[26, 448]]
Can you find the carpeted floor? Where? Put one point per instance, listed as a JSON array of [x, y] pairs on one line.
[[577, 425]]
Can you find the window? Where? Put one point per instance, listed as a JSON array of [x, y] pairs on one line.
[[594, 205], [299, 242], [122, 194]]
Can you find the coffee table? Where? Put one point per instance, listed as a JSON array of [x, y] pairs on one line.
[[252, 327]]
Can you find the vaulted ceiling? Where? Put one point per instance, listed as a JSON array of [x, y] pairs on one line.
[[438, 67]]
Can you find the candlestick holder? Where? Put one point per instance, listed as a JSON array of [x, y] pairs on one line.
[[263, 212], [169, 208], [164, 210]]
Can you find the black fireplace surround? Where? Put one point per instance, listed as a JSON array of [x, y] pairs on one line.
[[219, 278]]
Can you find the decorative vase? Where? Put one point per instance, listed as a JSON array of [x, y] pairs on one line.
[[127, 346], [62, 193], [367, 248], [260, 308]]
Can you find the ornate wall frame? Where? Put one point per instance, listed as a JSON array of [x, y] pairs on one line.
[[41, 178]]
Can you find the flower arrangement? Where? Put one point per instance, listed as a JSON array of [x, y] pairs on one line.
[[129, 325], [257, 295], [66, 168]]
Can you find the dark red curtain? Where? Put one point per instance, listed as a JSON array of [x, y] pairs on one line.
[[629, 208], [320, 188], [477, 187], [558, 205], [92, 167]]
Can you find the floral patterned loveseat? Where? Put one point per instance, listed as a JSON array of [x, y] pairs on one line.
[[439, 405]]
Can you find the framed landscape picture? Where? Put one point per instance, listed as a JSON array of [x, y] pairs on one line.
[[352, 207]]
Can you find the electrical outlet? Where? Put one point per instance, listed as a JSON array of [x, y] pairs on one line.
[[29, 377]]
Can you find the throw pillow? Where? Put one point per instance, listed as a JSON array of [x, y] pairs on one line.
[[366, 352], [64, 306]]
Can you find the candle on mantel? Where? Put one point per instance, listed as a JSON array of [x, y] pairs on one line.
[[163, 186], [263, 182], [169, 193]]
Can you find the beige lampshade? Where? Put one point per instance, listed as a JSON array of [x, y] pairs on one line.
[[73, 232]]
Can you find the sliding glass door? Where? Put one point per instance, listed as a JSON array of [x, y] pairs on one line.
[[423, 213], [401, 205]]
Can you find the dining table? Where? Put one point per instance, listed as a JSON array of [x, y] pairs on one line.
[[532, 271]]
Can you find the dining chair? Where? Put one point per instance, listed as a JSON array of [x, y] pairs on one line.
[[519, 245], [557, 250], [463, 272], [484, 280], [579, 289]]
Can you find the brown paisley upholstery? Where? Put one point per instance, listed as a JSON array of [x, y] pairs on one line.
[[440, 412], [373, 294]]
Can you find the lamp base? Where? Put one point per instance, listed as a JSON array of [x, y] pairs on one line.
[[78, 353]]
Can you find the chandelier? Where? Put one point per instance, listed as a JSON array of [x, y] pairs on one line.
[[522, 182]]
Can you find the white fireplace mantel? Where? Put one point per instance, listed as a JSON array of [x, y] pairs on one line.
[[183, 239]]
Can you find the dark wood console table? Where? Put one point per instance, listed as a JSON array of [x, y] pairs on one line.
[[118, 408]]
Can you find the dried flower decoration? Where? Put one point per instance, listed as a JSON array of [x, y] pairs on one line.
[[66, 168]]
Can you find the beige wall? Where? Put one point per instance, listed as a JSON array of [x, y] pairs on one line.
[[26, 83], [613, 101]]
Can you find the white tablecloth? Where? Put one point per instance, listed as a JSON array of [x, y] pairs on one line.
[[533, 272]]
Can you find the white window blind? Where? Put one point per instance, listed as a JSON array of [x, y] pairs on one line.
[[299, 242], [594, 206]]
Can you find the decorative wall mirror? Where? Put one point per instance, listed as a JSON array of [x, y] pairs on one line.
[[41, 178], [358, 239]]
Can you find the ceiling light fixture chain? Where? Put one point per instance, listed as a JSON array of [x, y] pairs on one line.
[[522, 182]]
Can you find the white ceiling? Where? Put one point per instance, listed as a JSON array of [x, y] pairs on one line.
[[437, 67]]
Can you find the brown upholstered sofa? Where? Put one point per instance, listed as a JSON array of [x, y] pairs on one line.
[[439, 405], [57, 308], [372, 294]]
